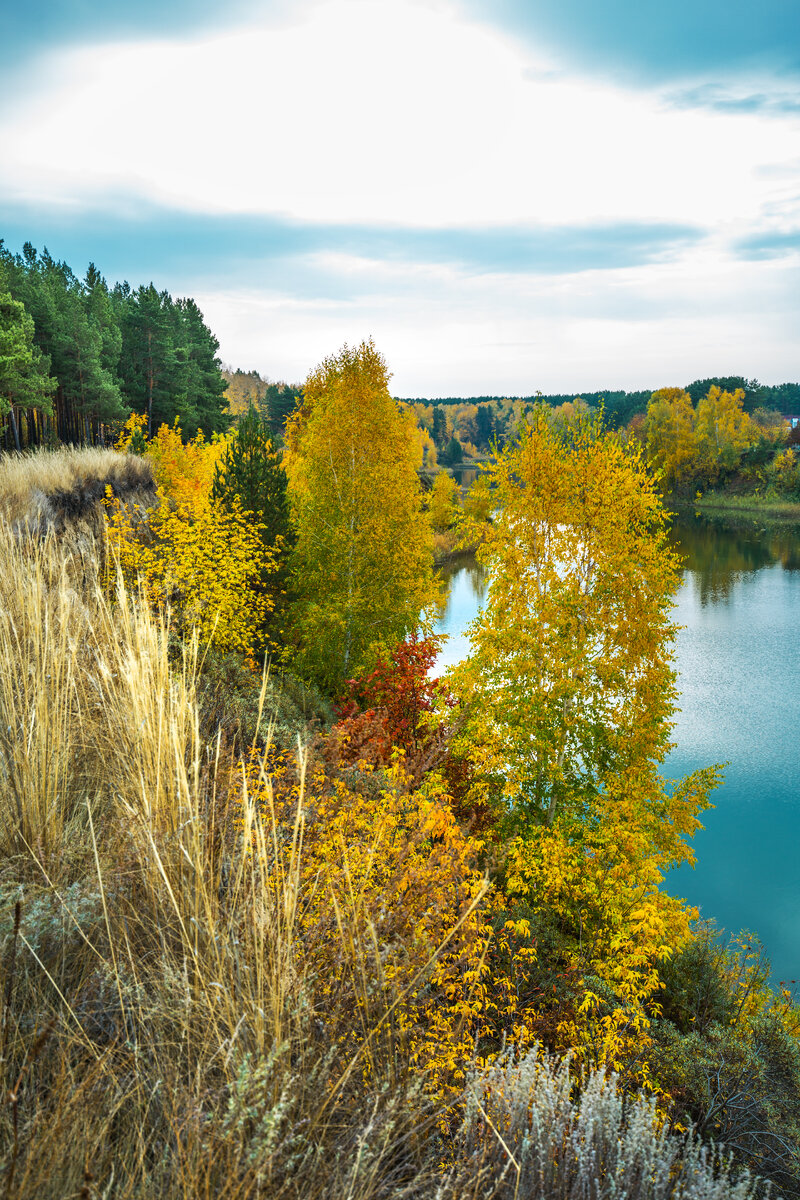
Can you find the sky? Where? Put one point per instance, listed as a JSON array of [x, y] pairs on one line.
[[507, 195]]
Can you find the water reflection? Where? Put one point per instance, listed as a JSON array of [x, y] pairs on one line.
[[465, 582], [720, 556]]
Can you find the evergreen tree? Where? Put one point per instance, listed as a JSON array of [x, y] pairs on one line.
[[251, 470], [87, 396], [148, 363], [452, 452], [280, 401], [201, 398], [24, 381], [484, 425], [439, 428]]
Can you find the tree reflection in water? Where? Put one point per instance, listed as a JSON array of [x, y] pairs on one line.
[[720, 554]]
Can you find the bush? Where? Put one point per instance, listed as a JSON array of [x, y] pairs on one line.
[[526, 1136]]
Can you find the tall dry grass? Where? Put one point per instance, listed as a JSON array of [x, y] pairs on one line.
[[48, 488], [159, 1035]]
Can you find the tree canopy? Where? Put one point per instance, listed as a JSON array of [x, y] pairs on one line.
[[110, 351], [363, 561]]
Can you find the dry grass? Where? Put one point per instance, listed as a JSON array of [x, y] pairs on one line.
[[159, 1035], [46, 489]]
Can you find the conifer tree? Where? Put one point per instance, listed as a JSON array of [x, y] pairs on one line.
[[251, 470], [24, 381], [201, 395], [280, 400], [148, 365]]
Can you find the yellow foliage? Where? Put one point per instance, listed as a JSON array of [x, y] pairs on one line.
[[672, 445], [599, 879], [785, 472], [391, 870], [133, 431], [570, 677], [184, 472], [723, 430], [426, 448], [198, 564], [443, 502], [478, 500], [363, 564], [568, 698]]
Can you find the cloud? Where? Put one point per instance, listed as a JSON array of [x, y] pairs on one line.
[[643, 43], [768, 244], [300, 256], [657, 43], [392, 113], [727, 100], [36, 26], [444, 334], [471, 184]]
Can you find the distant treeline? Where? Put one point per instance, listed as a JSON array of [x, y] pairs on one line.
[[77, 357], [620, 406]]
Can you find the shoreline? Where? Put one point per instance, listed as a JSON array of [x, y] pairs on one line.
[[714, 504]]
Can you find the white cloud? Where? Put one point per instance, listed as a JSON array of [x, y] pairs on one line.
[[444, 334], [402, 112], [398, 111]]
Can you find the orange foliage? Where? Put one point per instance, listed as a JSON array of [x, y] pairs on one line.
[[391, 869]]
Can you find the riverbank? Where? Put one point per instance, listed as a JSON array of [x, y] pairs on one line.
[[450, 547], [746, 507]]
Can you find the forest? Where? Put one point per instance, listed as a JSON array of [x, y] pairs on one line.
[[286, 913]]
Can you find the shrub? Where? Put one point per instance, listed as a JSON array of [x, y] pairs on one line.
[[526, 1136]]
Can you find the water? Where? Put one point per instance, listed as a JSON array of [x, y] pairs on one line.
[[738, 663]]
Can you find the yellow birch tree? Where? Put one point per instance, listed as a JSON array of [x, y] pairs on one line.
[[671, 436], [363, 565], [724, 431]]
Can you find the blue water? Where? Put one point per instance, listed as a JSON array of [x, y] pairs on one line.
[[738, 663]]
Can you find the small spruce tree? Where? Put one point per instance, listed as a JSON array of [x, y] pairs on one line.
[[251, 469]]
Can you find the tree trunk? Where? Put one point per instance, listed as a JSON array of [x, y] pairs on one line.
[[14, 427]]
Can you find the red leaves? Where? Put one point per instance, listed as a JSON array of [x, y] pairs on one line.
[[401, 690]]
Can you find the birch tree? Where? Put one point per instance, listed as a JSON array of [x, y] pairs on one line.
[[363, 560]]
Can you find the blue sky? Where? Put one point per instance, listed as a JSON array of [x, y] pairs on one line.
[[507, 194]]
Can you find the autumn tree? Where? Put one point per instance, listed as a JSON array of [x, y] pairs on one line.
[[478, 500], [443, 501], [363, 561], [571, 668], [723, 430], [568, 696], [671, 436]]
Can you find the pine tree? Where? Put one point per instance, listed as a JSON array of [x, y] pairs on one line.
[[24, 381], [280, 400], [439, 427], [148, 364], [88, 396], [201, 400]]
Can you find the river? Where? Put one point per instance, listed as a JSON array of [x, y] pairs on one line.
[[738, 664]]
